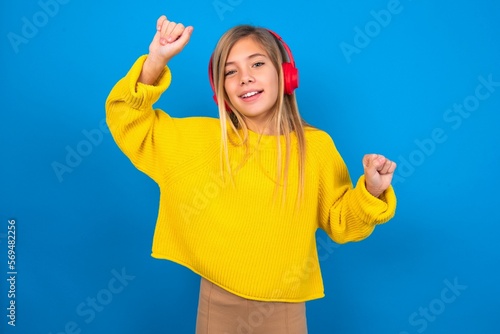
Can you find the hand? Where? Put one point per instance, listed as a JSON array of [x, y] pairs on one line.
[[169, 40], [378, 173]]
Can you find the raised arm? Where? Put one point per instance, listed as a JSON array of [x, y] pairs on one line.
[[147, 136]]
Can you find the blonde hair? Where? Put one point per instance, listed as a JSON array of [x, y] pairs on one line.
[[286, 116]]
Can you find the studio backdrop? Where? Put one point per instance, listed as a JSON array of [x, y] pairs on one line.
[[417, 81]]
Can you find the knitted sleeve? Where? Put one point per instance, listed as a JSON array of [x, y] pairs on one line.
[[347, 213], [143, 134]]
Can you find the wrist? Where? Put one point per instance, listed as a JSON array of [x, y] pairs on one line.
[[156, 60], [152, 68], [374, 192]]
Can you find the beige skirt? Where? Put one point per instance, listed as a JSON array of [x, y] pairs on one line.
[[221, 312]]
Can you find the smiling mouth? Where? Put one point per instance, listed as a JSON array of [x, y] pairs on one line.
[[250, 94]]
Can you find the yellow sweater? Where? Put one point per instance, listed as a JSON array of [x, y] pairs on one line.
[[235, 234]]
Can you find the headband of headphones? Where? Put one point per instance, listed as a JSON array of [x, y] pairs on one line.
[[290, 72]]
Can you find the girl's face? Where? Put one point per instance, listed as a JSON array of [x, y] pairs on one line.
[[251, 83]]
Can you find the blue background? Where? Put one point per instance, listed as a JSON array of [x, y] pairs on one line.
[[77, 231]]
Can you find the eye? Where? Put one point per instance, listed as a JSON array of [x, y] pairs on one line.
[[229, 72], [258, 64]]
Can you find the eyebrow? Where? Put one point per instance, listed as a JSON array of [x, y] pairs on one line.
[[249, 57]]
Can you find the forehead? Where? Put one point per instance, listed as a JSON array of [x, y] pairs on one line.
[[244, 48]]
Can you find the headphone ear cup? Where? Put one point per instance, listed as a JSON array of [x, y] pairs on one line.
[[290, 78]]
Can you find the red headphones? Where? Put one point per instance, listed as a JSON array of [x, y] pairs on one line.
[[290, 72]]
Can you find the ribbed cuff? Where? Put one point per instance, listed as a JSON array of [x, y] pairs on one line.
[[374, 210], [141, 96]]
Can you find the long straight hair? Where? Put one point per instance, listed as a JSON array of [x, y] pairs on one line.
[[286, 118]]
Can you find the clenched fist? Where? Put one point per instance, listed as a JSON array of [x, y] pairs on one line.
[[378, 173], [169, 40]]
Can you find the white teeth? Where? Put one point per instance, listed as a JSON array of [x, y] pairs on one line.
[[249, 94]]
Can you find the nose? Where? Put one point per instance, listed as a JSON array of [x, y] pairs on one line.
[[246, 78]]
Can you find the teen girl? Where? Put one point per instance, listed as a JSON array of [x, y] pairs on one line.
[[242, 196]]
